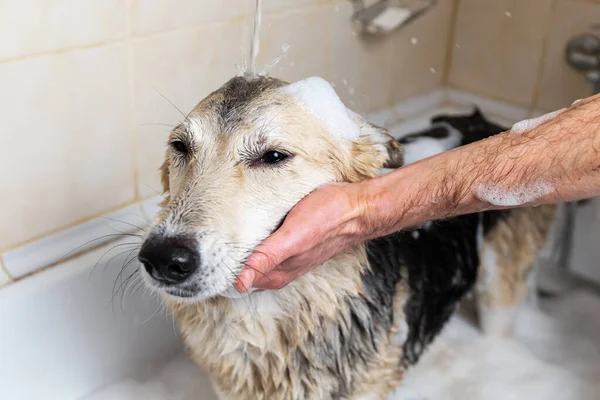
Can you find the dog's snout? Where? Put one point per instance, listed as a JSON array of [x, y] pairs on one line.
[[170, 260]]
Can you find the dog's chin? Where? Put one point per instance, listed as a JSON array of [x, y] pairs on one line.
[[185, 296], [188, 292]]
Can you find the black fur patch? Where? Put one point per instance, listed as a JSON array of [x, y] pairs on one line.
[[441, 263], [436, 132], [473, 127]]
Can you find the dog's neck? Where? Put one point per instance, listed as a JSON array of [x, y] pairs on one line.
[[340, 276]]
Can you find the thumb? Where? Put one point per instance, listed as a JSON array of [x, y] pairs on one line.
[[265, 258]]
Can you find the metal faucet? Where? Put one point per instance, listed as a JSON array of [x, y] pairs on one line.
[[583, 54], [384, 16]]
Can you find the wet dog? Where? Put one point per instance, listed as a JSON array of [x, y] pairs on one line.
[[243, 157]]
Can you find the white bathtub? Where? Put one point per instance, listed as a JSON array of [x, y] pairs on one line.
[[60, 337]]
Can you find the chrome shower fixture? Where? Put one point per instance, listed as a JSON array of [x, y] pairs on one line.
[[378, 17]]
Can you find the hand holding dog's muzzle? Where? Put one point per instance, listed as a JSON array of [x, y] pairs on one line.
[[323, 224]]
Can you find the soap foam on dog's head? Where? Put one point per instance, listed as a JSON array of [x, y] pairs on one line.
[[318, 96]]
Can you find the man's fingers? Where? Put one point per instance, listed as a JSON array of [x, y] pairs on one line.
[[265, 258], [245, 280], [275, 281]]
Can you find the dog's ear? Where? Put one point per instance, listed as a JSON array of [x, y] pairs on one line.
[[395, 152], [391, 149]]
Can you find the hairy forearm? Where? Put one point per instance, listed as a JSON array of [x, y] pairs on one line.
[[556, 161]]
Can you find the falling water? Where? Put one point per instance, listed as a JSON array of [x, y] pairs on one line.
[[255, 43]]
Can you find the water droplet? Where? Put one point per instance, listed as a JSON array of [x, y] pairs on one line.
[[345, 82], [457, 46], [354, 33], [414, 40], [508, 14], [351, 90], [285, 47], [432, 70], [337, 8]]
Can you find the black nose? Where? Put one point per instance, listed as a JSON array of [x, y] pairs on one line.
[[170, 260]]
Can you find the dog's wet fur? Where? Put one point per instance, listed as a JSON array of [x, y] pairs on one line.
[[350, 328]]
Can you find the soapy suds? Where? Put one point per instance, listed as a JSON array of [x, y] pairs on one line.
[[513, 197], [529, 124], [555, 355], [318, 96]]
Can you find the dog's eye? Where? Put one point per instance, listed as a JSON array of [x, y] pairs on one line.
[[179, 146], [273, 157]]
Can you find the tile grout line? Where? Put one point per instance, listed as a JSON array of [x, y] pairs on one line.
[[535, 97], [133, 127], [6, 272], [450, 43]]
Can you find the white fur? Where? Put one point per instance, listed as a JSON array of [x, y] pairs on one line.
[[489, 264], [497, 321], [480, 235]]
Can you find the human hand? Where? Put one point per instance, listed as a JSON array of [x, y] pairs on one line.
[[323, 224]]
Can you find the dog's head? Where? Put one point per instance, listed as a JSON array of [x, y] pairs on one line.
[[238, 163]]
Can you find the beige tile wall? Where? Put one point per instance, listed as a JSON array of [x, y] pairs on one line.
[[85, 84], [514, 50]]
